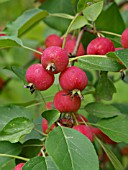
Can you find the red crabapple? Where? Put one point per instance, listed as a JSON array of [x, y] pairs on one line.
[[45, 128], [53, 40], [1, 34], [54, 59], [102, 136], [69, 37], [44, 125], [73, 78], [37, 55], [1, 83], [39, 77], [70, 45], [66, 102], [85, 130], [19, 166], [124, 150], [118, 48], [100, 46], [49, 105], [106, 139], [95, 131], [124, 38]]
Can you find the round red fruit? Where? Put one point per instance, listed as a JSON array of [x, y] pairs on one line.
[[39, 77], [54, 59], [69, 37], [73, 78], [95, 131], [100, 46], [53, 40], [124, 150], [37, 55], [70, 45], [102, 136], [19, 166], [64, 102], [49, 105], [45, 126], [85, 130], [118, 48], [106, 139], [1, 83], [124, 38], [1, 34]]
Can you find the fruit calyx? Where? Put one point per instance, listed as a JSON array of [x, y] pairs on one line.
[[77, 92], [31, 87], [51, 67]]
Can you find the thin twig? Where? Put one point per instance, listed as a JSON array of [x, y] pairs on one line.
[[77, 44], [14, 156]]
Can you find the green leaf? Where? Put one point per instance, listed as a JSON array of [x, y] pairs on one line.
[[105, 87], [50, 163], [93, 11], [116, 128], [115, 162], [31, 148], [60, 6], [111, 20], [34, 133], [25, 21], [121, 55], [71, 150], [40, 163], [79, 22], [29, 103], [124, 14], [6, 41], [82, 4], [10, 149], [74, 2], [8, 113], [62, 15], [102, 110], [99, 63], [122, 107], [15, 129], [51, 116], [20, 72]]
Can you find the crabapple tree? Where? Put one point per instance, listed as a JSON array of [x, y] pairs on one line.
[[63, 85]]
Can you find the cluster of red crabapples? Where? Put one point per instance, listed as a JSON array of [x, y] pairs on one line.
[[54, 60], [72, 79]]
